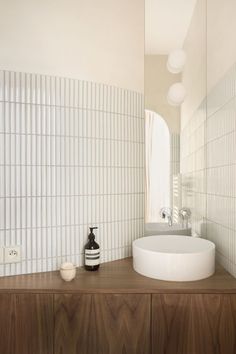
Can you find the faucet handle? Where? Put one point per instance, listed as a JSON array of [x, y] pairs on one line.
[[165, 211], [185, 215]]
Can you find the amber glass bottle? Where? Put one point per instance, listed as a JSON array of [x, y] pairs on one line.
[[92, 252]]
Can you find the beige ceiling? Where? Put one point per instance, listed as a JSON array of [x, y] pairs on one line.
[[166, 24]]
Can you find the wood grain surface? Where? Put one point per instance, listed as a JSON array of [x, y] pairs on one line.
[[34, 324], [194, 324], [102, 324], [26, 324], [115, 277], [7, 324]]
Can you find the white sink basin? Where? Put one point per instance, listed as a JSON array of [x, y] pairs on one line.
[[174, 258]]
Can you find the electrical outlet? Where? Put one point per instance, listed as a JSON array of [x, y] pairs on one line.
[[12, 254]]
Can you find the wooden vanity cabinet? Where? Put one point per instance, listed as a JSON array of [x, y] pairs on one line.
[[26, 324], [117, 311], [102, 324], [194, 324], [117, 323]]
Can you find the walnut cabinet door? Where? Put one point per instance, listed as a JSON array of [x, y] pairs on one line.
[[102, 324], [26, 324]]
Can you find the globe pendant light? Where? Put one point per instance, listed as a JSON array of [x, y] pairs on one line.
[[176, 94], [176, 61]]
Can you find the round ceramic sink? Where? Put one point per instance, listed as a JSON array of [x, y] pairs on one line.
[[174, 257]]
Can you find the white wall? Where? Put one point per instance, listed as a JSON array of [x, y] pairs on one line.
[[221, 130], [221, 48], [157, 82], [194, 74], [71, 156], [208, 123], [100, 41], [71, 151], [193, 120]]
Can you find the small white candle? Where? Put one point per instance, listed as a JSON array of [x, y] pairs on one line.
[[68, 271]]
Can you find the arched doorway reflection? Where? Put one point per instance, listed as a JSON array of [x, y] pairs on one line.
[[157, 146]]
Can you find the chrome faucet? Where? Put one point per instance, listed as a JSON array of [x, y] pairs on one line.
[[185, 215], [166, 213]]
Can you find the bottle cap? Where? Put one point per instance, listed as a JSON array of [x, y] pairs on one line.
[[93, 228], [91, 235]]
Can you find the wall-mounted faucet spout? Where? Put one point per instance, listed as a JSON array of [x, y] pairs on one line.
[[166, 213]]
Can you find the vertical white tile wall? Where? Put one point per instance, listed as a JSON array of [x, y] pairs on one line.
[[208, 167], [193, 168], [174, 172], [71, 156], [175, 153], [221, 169]]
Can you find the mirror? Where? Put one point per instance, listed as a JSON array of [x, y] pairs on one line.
[[167, 25]]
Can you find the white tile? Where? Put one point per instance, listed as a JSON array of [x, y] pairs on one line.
[[50, 167], [218, 170]]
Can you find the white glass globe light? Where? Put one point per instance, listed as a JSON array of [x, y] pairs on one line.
[[176, 94], [176, 61]]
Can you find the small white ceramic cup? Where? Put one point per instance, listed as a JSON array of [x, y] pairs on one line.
[[68, 271]]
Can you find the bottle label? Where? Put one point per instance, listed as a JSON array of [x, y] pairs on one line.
[[92, 257]]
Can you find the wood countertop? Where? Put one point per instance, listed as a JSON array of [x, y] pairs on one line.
[[115, 277]]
